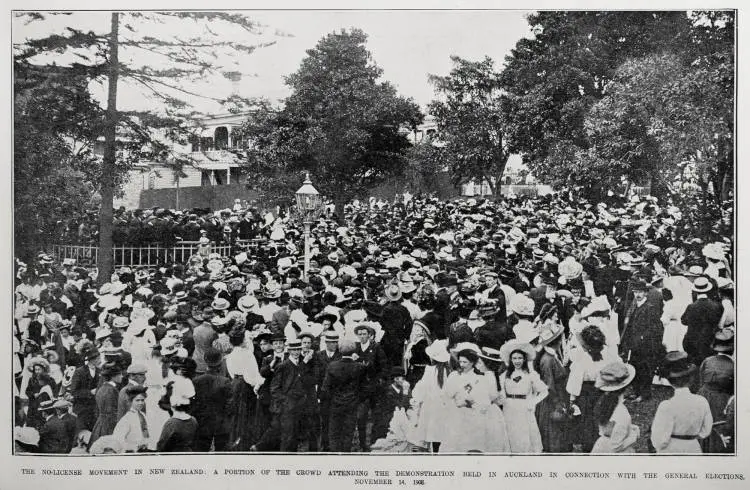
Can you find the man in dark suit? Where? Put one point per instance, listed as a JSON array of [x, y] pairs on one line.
[[211, 405], [702, 321], [396, 321], [494, 291], [321, 361], [494, 333], [57, 434], [343, 388], [372, 355], [83, 387], [264, 415], [641, 340], [289, 395]]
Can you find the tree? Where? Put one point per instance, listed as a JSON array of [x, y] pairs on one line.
[[340, 123], [174, 62], [470, 122], [425, 163], [552, 80]]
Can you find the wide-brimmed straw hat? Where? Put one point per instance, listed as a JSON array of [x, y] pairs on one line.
[[702, 284], [614, 376], [516, 345], [549, 333]]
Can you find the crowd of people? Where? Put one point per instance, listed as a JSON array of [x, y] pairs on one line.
[[512, 325], [163, 226]]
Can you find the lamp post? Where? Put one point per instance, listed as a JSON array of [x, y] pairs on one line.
[[308, 205]]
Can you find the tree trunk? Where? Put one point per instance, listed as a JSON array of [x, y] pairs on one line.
[[104, 262], [339, 203]]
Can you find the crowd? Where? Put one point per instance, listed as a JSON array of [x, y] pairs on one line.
[[163, 226], [517, 325]]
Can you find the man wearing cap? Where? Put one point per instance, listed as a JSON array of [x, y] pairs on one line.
[[289, 395], [136, 377], [203, 336], [83, 387], [211, 405], [641, 339], [702, 321], [321, 360]]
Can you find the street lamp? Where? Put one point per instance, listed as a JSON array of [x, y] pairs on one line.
[[308, 205]]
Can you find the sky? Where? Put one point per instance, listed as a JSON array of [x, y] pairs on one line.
[[407, 45]]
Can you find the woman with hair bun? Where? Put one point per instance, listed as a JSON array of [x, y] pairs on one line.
[[584, 370]]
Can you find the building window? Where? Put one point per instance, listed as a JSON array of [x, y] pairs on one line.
[[206, 177], [221, 138]]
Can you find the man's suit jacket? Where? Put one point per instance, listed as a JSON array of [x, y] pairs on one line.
[[643, 332], [376, 362], [267, 370], [288, 390], [81, 385], [344, 384], [321, 361], [212, 402]]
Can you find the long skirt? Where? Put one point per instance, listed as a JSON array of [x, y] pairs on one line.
[[242, 416], [586, 427], [523, 432], [717, 402], [555, 434], [471, 430]]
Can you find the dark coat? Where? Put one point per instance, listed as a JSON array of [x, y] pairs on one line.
[[84, 402], [267, 370], [106, 407], [212, 402], [643, 333], [56, 435], [288, 390], [321, 361], [397, 323], [376, 363], [701, 319], [343, 384], [493, 334]]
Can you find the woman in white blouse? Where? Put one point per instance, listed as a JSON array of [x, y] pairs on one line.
[[132, 429], [584, 370], [684, 419]]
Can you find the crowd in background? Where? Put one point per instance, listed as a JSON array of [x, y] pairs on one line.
[[516, 325]]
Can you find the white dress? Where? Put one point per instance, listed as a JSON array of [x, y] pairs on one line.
[[520, 417], [429, 402], [155, 388], [685, 415], [469, 421], [620, 435], [674, 330]]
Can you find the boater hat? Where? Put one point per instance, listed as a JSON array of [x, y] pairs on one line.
[[615, 376]]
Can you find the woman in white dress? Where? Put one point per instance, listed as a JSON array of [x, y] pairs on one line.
[[428, 398], [617, 433], [157, 376], [674, 330], [521, 390], [468, 426]]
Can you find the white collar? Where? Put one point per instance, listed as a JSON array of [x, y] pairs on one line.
[[181, 415], [366, 346]]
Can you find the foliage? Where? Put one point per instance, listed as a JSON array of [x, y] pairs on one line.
[[425, 163], [172, 64], [552, 81], [340, 123], [470, 121]]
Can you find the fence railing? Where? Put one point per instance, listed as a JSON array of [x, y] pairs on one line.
[[148, 255]]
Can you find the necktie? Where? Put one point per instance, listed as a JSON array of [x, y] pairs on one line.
[[144, 427]]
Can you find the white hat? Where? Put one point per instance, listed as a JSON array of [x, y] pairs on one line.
[[438, 350], [598, 304], [513, 345], [522, 304]]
